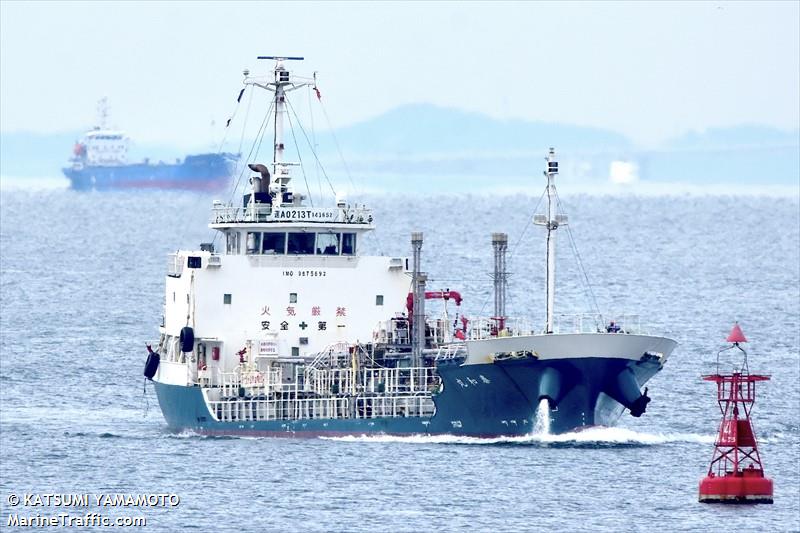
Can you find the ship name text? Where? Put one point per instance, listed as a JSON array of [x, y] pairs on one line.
[[319, 215]]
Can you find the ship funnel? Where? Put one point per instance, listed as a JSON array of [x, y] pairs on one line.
[[255, 181], [624, 388], [260, 184]]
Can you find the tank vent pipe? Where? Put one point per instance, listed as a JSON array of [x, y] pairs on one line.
[[500, 276], [418, 307]]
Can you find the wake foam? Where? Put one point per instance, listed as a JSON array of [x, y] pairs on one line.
[[191, 434], [542, 426], [591, 437]]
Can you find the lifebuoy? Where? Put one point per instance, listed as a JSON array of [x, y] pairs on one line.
[[187, 339]]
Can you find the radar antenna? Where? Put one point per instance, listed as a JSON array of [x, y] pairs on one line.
[[282, 58], [281, 82], [102, 113], [552, 220]]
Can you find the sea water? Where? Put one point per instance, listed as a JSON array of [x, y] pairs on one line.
[[82, 292]]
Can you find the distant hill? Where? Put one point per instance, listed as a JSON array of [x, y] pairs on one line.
[[429, 140], [425, 140], [743, 136], [746, 154], [423, 129]]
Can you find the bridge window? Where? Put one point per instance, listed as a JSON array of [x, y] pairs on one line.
[[348, 244], [232, 242], [279, 243], [274, 243], [300, 244], [327, 244], [253, 242]]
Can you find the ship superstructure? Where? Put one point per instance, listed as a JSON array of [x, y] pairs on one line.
[[289, 329], [100, 161]]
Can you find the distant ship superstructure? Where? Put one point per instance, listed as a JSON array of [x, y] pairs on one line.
[[290, 330], [100, 161]]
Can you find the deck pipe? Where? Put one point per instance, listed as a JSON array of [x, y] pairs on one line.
[[418, 285], [500, 245]]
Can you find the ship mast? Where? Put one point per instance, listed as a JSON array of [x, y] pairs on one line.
[[281, 83], [551, 221], [102, 114]]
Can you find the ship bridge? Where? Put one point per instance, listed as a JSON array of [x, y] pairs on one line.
[[273, 218], [288, 281], [267, 229], [101, 146]]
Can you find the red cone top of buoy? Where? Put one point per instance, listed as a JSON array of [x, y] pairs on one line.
[[736, 334]]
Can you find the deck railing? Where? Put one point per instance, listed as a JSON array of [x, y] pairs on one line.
[[446, 352], [226, 214], [354, 407], [599, 323], [253, 381], [484, 328], [337, 393], [326, 381]]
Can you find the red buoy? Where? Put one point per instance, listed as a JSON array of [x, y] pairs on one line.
[[736, 474], [736, 335]]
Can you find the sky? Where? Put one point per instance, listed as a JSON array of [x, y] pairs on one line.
[[651, 71]]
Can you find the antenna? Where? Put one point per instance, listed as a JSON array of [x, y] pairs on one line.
[[282, 58], [552, 220], [282, 83], [102, 113]]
